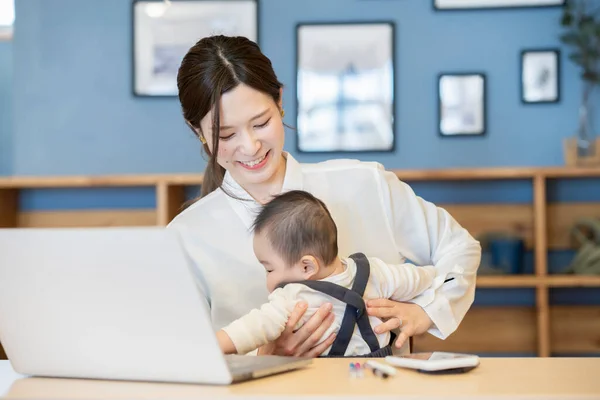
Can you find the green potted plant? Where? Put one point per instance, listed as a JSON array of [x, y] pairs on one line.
[[581, 21]]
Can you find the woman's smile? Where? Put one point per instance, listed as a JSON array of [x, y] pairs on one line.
[[257, 163]]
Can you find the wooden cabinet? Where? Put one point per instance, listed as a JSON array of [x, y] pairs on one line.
[[542, 329]]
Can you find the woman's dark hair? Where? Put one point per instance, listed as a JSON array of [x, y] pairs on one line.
[[212, 67], [297, 223]]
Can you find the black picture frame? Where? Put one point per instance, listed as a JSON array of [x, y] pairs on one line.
[[540, 71], [438, 5], [462, 109], [155, 61], [340, 43]]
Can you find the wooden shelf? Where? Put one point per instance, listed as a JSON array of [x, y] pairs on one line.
[[541, 328], [532, 281], [31, 182], [507, 281], [196, 179], [498, 173], [466, 174], [185, 180], [573, 281], [570, 172]]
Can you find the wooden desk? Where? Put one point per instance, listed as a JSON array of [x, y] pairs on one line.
[[495, 378]]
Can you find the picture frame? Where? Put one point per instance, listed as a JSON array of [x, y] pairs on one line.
[[163, 32], [345, 87], [448, 5], [540, 76], [462, 104]]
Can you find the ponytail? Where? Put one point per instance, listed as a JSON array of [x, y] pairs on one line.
[[213, 177]]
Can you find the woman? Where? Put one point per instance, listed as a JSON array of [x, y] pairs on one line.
[[232, 100]]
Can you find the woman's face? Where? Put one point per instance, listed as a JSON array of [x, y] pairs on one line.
[[251, 136]]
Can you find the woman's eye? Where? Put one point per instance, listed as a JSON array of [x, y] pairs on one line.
[[263, 124], [226, 137]]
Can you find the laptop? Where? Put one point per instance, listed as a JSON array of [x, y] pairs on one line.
[[112, 303]]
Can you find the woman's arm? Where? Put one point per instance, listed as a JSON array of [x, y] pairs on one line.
[[428, 235]]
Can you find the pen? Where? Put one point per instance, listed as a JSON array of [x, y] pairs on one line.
[[381, 370]]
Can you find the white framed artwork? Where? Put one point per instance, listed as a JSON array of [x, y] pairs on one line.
[[540, 76], [462, 104], [163, 32], [491, 4], [345, 87]]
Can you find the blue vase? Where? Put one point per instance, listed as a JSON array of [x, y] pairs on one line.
[[507, 254]]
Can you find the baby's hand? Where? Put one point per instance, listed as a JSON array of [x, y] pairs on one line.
[[227, 346]]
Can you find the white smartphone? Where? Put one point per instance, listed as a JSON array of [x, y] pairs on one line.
[[436, 362]]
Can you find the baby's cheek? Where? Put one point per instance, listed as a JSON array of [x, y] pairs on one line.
[[274, 279]]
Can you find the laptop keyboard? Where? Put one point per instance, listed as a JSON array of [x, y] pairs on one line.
[[235, 361]]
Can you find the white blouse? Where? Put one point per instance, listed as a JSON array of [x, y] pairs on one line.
[[375, 213]]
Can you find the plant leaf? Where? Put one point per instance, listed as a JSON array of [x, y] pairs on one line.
[[587, 27], [569, 5], [570, 38], [592, 53], [577, 58], [567, 19], [589, 76]]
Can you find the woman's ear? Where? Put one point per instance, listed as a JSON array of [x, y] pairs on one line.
[[198, 133], [310, 266], [280, 102], [196, 130]]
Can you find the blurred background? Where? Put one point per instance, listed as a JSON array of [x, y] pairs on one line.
[[67, 104], [520, 177]]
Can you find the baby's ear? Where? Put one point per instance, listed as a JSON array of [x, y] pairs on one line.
[[310, 266]]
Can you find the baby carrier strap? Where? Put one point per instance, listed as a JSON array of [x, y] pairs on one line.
[[356, 315], [356, 311]]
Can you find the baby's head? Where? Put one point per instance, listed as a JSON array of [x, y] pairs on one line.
[[295, 238]]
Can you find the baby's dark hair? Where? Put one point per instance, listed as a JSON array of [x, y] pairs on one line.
[[296, 224]]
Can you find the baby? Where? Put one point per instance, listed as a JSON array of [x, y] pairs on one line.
[[295, 239]]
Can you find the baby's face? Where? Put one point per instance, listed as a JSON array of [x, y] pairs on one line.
[[277, 269]]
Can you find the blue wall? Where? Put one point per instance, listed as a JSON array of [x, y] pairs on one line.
[[6, 81], [74, 112]]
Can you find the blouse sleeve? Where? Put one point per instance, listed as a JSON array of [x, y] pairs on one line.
[[428, 235]]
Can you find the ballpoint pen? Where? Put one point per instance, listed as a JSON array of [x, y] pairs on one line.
[[381, 370]]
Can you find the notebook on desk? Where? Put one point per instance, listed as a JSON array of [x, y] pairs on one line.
[[112, 303]]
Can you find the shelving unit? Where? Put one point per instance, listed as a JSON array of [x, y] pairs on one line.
[[543, 329]]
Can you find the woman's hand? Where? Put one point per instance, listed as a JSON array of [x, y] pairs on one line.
[[411, 318], [303, 342]]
